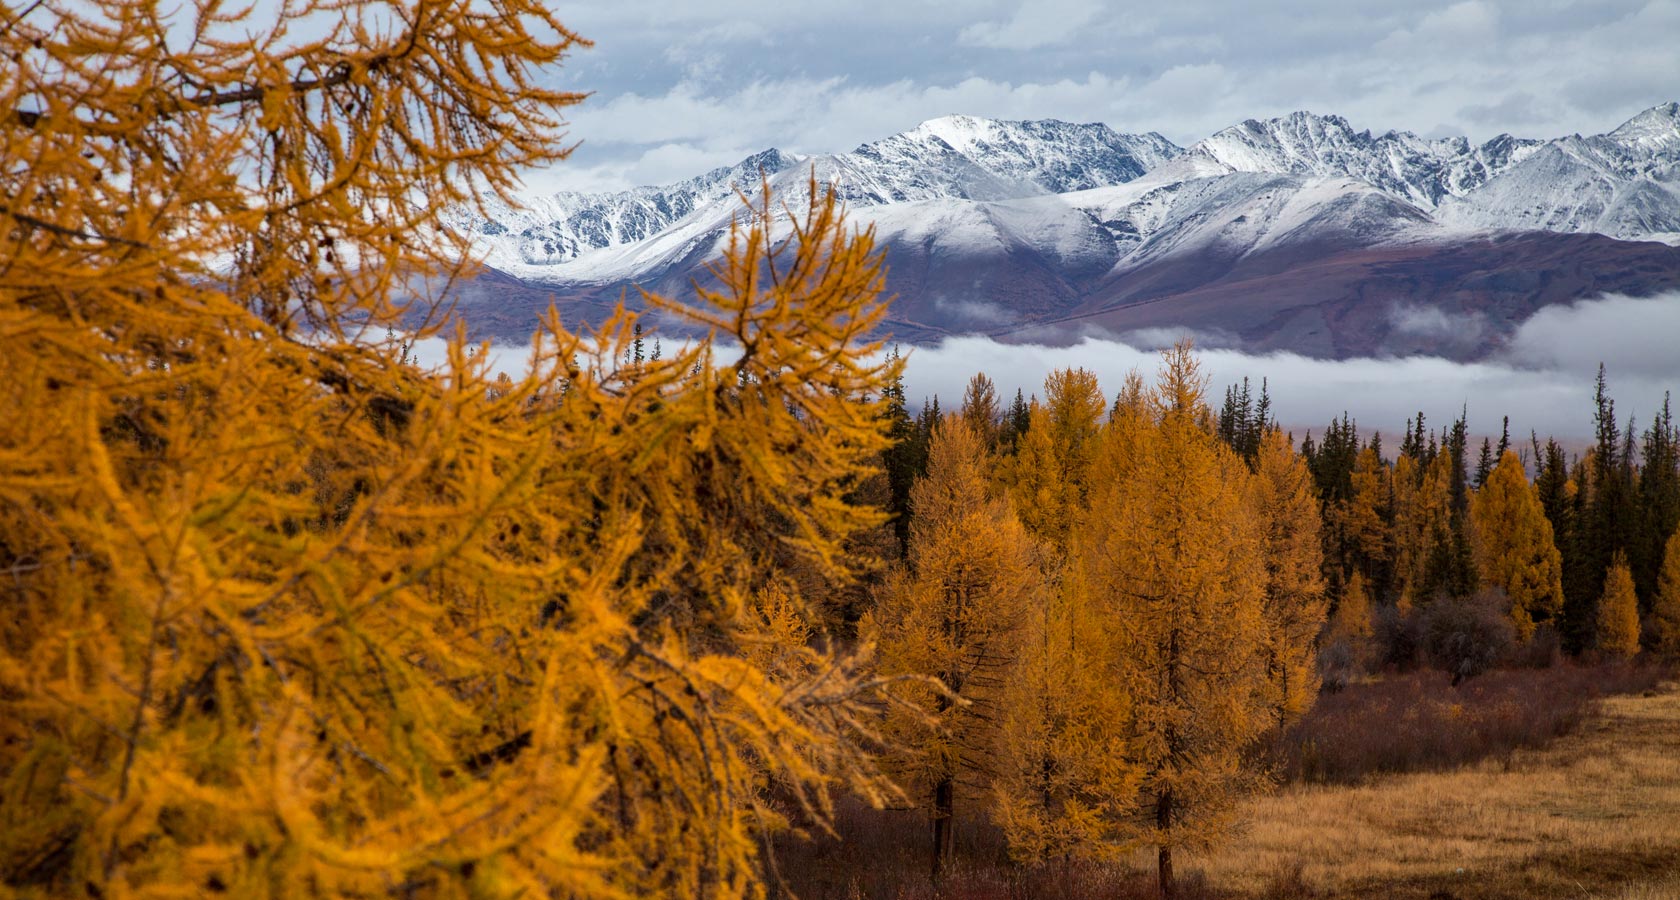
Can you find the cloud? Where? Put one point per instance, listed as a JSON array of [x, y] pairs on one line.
[[1636, 336], [745, 75], [1034, 25], [1543, 381]]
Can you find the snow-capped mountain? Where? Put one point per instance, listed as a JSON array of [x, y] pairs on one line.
[[955, 157], [1625, 184], [1001, 226], [1420, 171]]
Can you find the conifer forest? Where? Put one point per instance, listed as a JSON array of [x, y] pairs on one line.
[[291, 615]]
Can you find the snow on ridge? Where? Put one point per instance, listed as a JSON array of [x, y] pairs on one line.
[[1129, 190]]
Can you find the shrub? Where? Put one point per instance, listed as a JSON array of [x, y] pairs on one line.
[[1416, 722], [1465, 638]]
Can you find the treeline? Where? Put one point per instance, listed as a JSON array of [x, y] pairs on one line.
[[1119, 597], [1573, 556]]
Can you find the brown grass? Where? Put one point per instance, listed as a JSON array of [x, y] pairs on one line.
[[1418, 722], [1596, 815]]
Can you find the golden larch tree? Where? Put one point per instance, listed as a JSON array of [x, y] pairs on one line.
[[292, 617], [1074, 404], [1064, 774], [1514, 546], [1352, 619], [1422, 519], [1035, 482], [956, 616], [1665, 606], [1286, 503], [1173, 548], [1617, 635], [1360, 519]]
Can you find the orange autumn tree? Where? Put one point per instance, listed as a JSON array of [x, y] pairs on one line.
[[1286, 504], [289, 617], [956, 616], [1515, 549], [1173, 546], [1617, 636]]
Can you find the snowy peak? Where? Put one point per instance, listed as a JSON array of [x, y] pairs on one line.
[[1423, 172], [1655, 130], [969, 158], [1056, 156], [951, 158], [1625, 184]]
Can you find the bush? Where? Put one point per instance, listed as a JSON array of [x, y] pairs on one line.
[[1338, 666], [1397, 638], [1416, 722], [1465, 638]]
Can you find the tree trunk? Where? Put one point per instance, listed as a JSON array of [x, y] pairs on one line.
[[944, 797], [1163, 859]]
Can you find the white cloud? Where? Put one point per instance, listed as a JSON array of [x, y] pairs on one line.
[[1544, 380], [1034, 25]]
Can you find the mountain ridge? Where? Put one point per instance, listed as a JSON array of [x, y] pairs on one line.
[[994, 225]]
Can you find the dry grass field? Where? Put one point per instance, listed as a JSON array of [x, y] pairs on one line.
[[1595, 814], [1592, 814]]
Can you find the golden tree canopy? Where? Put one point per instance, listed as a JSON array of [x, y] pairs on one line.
[[292, 618], [1514, 545]]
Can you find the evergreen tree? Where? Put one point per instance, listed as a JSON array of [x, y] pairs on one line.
[[1484, 463], [905, 457], [1016, 421], [1659, 500], [981, 411]]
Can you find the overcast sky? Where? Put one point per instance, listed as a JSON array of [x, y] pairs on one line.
[[681, 86]]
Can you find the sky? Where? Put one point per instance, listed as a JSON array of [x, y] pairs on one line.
[[682, 86]]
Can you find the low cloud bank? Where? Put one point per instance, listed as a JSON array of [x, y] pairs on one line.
[[1543, 379]]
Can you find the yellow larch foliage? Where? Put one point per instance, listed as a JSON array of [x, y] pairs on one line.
[[1665, 606], [955, 616], [1421, 517], [1035, 483], [1174, 550], [1287, 505], [1352, 620], [1074, 403], [1360, 517], [290, 617], [1064, 773], [1618, 612], [1514, 547]]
